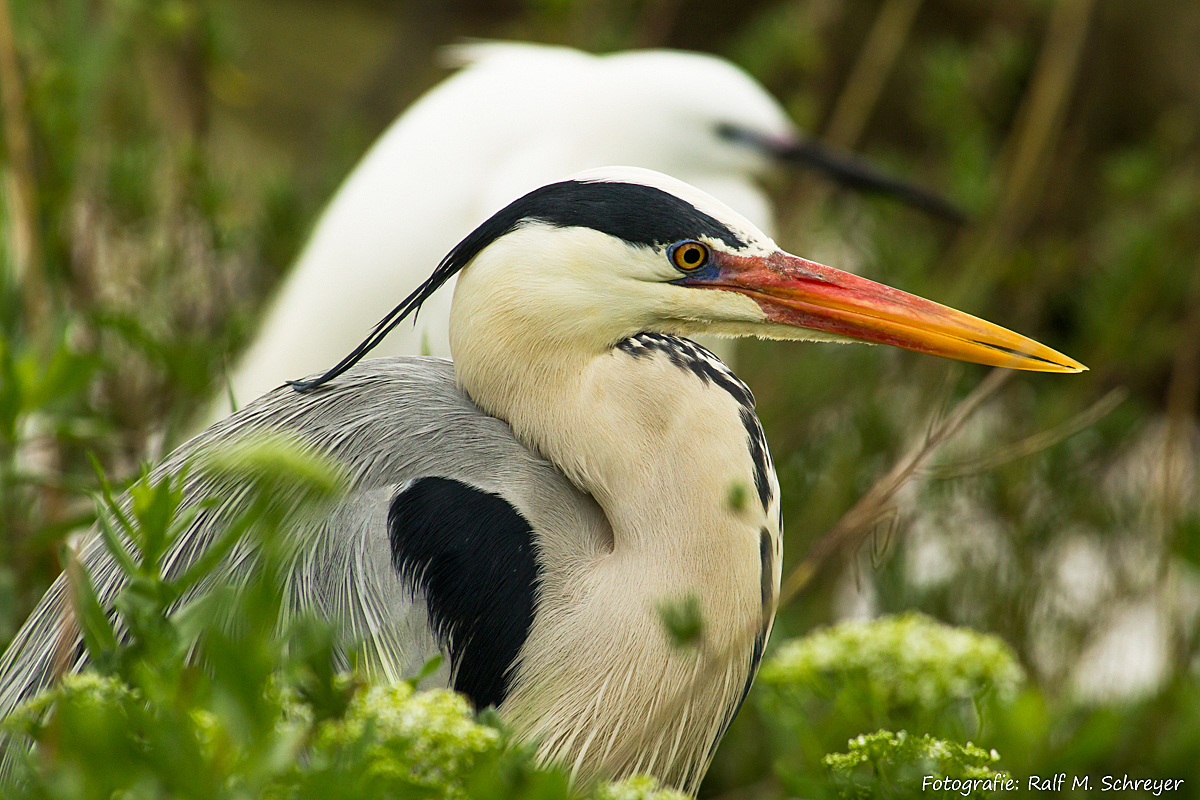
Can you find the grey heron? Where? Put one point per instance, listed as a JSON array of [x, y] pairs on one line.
[[516, 117], [526, 509]]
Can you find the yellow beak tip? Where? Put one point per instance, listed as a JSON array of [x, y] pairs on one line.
[[1071, 366]]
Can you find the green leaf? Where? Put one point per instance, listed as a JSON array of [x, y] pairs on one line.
[[683, 620], [430, 667], [98, 634], [112, 541]]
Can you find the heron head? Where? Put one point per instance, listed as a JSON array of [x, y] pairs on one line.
[[589, 261], [613, 252]]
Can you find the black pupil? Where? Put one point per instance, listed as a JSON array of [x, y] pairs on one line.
[[691, 255]]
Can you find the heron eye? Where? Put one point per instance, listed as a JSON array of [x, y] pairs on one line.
[[689, 255]]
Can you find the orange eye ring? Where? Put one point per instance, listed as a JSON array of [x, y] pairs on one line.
[[689, 254]]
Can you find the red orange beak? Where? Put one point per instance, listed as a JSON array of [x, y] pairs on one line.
[[793, 291]]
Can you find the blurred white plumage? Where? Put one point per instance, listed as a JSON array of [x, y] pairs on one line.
[[516, 117]]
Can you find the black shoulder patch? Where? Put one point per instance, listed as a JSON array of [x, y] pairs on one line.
[[472, 555], [686, 354]]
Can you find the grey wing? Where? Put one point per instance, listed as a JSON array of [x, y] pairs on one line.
[[389, 422]]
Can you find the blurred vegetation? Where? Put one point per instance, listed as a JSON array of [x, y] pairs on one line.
[[886, 764], [907, 672], [224, 696], [163, 159], [222, 693]]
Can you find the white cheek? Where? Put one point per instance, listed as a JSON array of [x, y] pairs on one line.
[[719, 306]]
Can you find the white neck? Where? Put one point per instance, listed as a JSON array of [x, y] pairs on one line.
[[660, 448], [665, 454]]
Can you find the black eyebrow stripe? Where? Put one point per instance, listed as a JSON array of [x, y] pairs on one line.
[[637, 213]]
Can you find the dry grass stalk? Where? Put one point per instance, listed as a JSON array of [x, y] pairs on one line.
[[1183, 392], [871, 71], [857, 101], [21, 183], [856, 524], [1042, 116], [1035, 443], [1027, 151]]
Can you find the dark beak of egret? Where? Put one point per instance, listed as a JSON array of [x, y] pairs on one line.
[[801, 293], [845, 169]]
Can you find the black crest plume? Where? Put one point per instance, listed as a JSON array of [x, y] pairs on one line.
[[449, 266], [640, 215]]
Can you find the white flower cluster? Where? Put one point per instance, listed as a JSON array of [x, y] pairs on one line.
[[903, 660]]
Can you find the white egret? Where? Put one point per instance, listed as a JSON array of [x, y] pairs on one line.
[[516, 117]]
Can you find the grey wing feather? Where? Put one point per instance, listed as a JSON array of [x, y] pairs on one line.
[[387, 421]]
